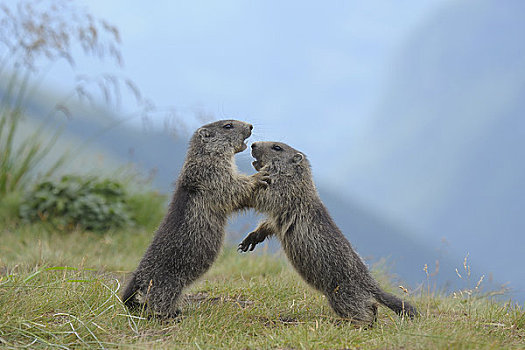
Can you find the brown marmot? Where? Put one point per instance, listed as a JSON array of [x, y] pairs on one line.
[[188, 240], [311, 240]]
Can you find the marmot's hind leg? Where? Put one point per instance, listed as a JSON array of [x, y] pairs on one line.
[[129, 296], [360, 310], [162, 301]]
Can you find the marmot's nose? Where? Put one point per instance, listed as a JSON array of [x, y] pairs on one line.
[[253, 145], [251, 127]]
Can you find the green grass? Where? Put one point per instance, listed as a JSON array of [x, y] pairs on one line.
[[61, 291]]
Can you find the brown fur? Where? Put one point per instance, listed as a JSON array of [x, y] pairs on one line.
[[188, 240], [311, 240]]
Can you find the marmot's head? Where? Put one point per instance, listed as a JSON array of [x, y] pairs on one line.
[[278, 157], [223, 136]]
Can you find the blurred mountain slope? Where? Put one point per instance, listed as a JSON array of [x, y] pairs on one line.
[[444, 152]]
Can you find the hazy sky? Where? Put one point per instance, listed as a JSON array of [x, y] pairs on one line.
[[308, 74]]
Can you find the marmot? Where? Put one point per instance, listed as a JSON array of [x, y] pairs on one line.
[[311, 240], [188, 240]]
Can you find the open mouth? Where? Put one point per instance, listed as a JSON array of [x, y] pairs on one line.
[[241, 148], [243, 144], [257, 165]]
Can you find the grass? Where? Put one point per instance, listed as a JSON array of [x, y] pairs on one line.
[[61, 291]]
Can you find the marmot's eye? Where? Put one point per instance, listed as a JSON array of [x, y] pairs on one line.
[[228, 126], [277, 148]]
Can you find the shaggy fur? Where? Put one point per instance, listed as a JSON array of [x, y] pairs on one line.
[[208, 189], [310, 238]]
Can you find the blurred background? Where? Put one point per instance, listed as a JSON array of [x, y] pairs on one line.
[[412, 113]]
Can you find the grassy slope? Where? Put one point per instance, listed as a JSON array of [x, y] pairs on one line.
[[244, 301]]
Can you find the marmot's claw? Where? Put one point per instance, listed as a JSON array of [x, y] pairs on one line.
[[243, 248], [266, 179], [248, 243], [263, 184], [263, 178]]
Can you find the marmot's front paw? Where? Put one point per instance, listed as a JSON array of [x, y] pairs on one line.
[[251, 241], [262, 179]]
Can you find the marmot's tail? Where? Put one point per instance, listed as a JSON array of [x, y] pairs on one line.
[[128, 296], [399, 306]]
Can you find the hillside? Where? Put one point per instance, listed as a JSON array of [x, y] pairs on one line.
[[443, 152]]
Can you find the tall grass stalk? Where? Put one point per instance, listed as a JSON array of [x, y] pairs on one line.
[[35, 36], [18, 160]]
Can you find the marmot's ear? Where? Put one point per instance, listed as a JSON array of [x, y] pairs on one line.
[[298, 158], [205, 133]]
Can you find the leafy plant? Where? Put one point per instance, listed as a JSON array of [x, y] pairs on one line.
[[74, 201], [9, 207]]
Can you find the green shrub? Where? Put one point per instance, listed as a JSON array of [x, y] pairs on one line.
[[9, 206], [75, 201], [147, 208]]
